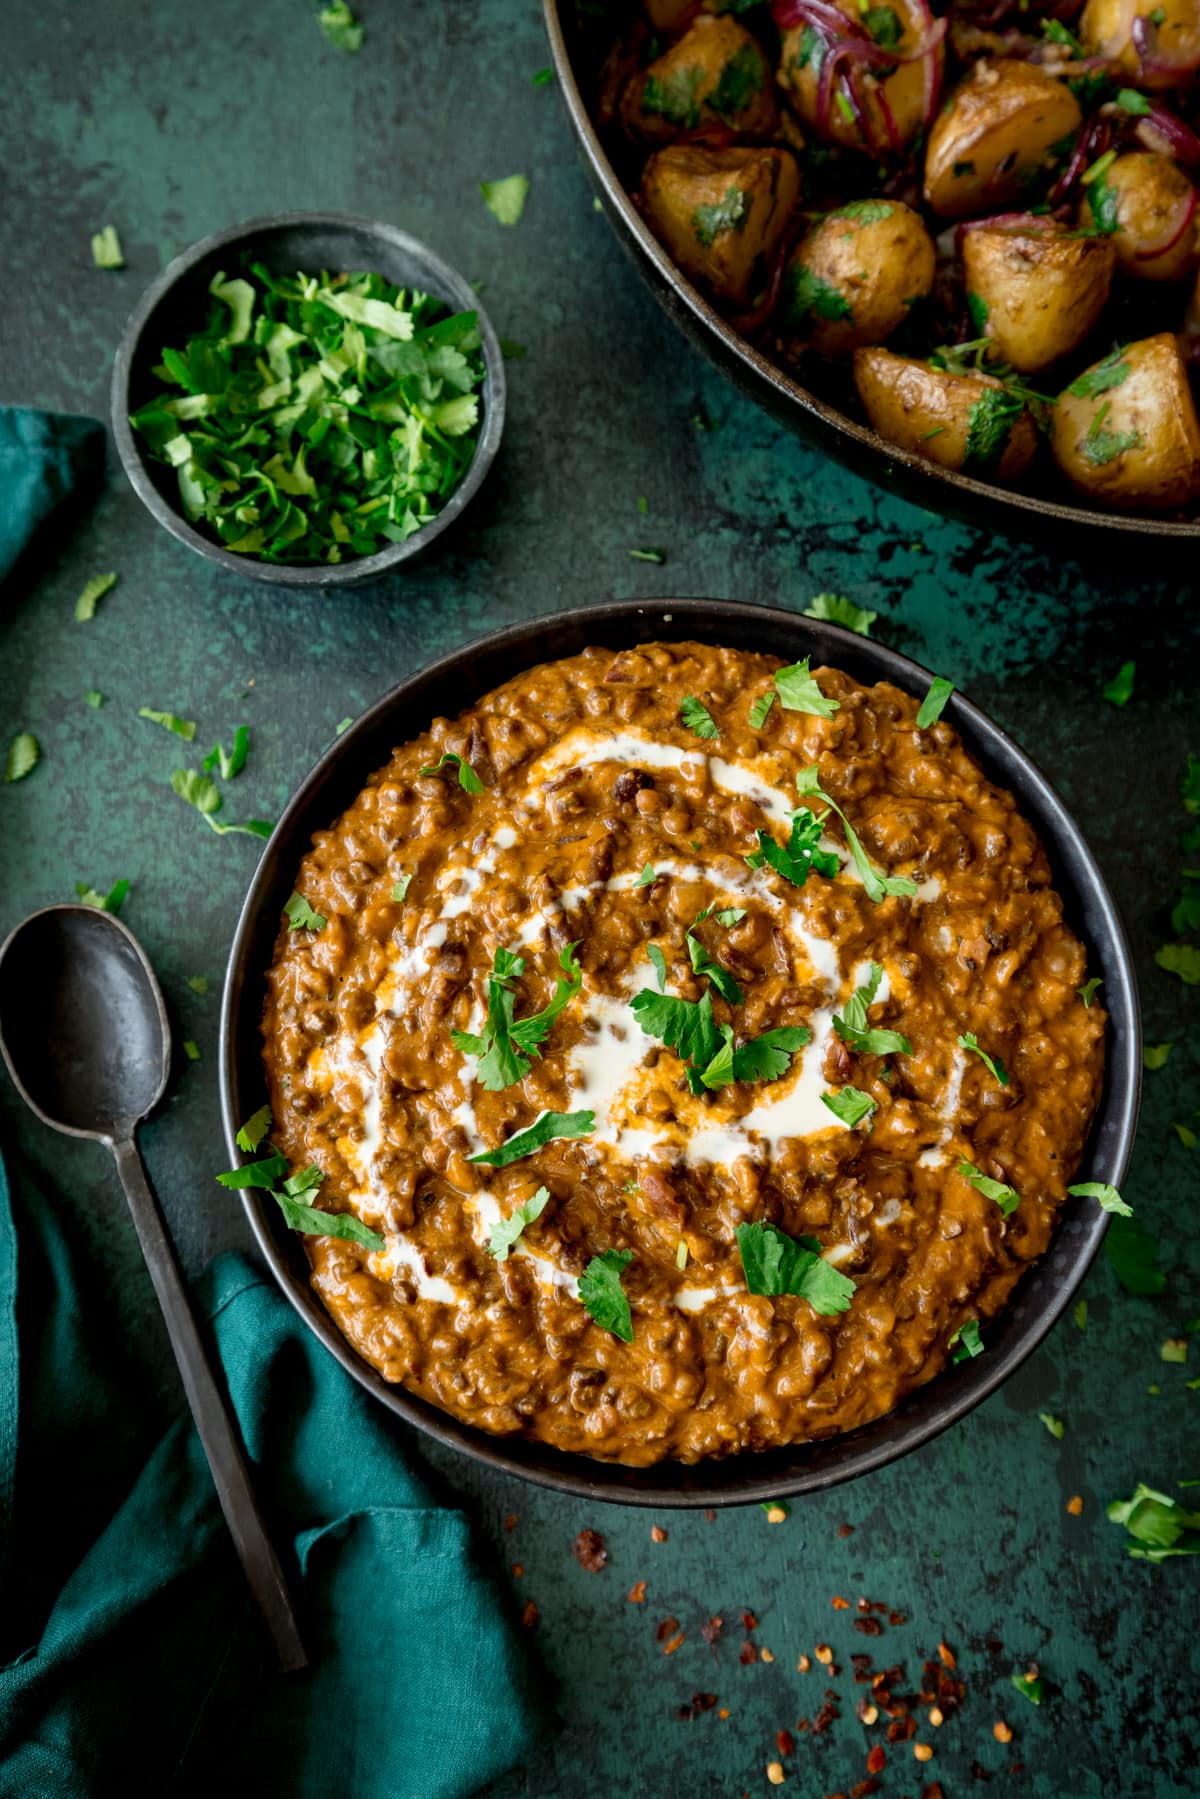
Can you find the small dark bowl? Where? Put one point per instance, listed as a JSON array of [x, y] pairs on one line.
[[579, 37], [454, 682], [177, 304]]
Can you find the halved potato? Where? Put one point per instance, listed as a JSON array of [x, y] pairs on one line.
[[716, 74], [721, 213], [1152, 202], [966, 422], [900, 25], [995, 137], [1126, 431], [670, 16], [1170, 34], [1035, 288], [854, 277]]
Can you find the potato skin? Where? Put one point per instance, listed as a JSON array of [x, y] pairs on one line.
[[873, 258], [715, 75], [1002, 120], [689, 189], [1152, 405], [930, 412], [1106, 29], [1151, 192], [1042, 286], [904, 91]]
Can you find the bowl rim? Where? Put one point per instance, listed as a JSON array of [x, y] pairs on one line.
[[929, 1409], [706, 321], [454, 289]]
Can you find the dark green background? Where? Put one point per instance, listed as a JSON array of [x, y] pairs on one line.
[[173, 120]]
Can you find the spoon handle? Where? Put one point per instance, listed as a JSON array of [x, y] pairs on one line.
[[217, 1429]]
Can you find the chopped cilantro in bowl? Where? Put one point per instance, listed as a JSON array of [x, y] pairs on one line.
[[309, 399]]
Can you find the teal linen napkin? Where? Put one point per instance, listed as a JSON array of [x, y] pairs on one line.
[[44, 457], [148, 1662]]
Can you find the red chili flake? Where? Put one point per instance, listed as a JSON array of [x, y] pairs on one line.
[[672, 1646], [846, 1530], [510, 1521], [666, 1628], [711, 1632], [876, 1760], [864, 1605], [870, 1627], [877, 1605], [637, 1593], [685, 1714], [749, 1653], [827, 1715], [529, 1616], [864, 1787], [518, 1570], [710, 1517], [840, 1604], [657, 1534], [933, 1790], [802, 1725], [861, 1665], [948, 1657], [590, 1552], [785, 1742], [897, 1618], [703, 1702], [901, 1729], [749, 1621]]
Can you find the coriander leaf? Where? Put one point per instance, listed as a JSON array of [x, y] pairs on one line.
[[673, 97], [264, 1173], [743, 76], [727, 214], [1087, 992], [400, 888], [106, 248], [1055, 1426], [468, 780], [112, 901], [1182, 959], [965, 1341], [506, 1231], [1120, 689], [602, 1295], [1174, 1350], [546, 1128], [543, 78], [760, 709], [1107, 1196], [327, 1224], [934, 703], [775, 1264], [647, 876], [1028, 1685], [94, 698], [301, 916], [978, 312], [96, 588], [798, 691], [686, 1026], [719, 1072], [853, 1030], [1104, 202], [697, 717], [993, 1064], [648, 555], [849, 1105], [801, 856], [768, 1057], [731, 916], [170, 721], [1079, 1313], [233, 763], [838, 610], [199, 984], [878, 885], [191, 1049], [660, 965], [505, 199], [865, 212], [254, 1130], [989, 425], [1006, 1197], [704, 964], [1098, 379], [1132, 1253], [506, 1044], [806, 293], [1101, 446], [1154, 1055], [1158, 1524], [23, 754], [1186, 1136], [1132, 101], [884, 26], [340, 28]]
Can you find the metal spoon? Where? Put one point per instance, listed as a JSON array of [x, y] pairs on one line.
[[85, 1036]]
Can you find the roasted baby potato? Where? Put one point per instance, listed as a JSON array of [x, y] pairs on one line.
[[716, 75], [996, 136], [721, 213], [902, 26], [670, 16], [971, 423], [1147, 205], [1126, 431], [1035, 288], [1155, 42], [854, 277]]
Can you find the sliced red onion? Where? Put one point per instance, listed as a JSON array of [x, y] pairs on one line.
[[1162, 130], [1150, 57], [1173, 235], [1091, 143]]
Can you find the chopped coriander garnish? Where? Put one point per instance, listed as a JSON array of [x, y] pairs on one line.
[[769, 1056], [849, 1105], [96, 588], [191, 1049], [1186, 1135], [198, 791], [1119, 691], [254, 1130], [1097, 380], [731, 916], [234, 762], [543, 78], [978, 312], [1159, 1525], [659, 962], [805, 294], [1006, 1197], [965, 1342], [840, 611], [199, 984], [505, 199], [798, 691], [507, 1231], [686, 1026], [1079, 1313], [505, 1045], [112, 901], [727, 214], [170, 721], [866, 212], [23, 754], [1182, 959], [801, 856], [1104, 1194], [934, 703], [1154, 1055], [1100, 446], [1055, 1426], [697, 717], [1087, 992], [775, 1264], [301, 916], [1132, 1253], [647, 876], [94, 698], [545, 1129], [468, 780], [1173, 1349], [681, 1254], [648, 555], [1029, 1685], [853, 1030], [989, 426], [993, 1064], [106, 248], [339, 26], [704, 964], [761, 707], [290, 1198], [400, 889], [263, 1173], [878, 885], [602, 1295]]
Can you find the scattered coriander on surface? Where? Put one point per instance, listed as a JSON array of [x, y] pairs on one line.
[[191, 1049], [106, 249], [343, 724], [801, 856], [543, 78], [95, 590], [1107, 1196], [840, 611], [170, 721], [23, 754], [1029, 1685], [648, 555], [1154, 1055], [198, 791], [1119, 691], [94, 698], [1186, 1135], [112, 901], [1159, 1526], [1079, 1313], [198, 983], [234, 762], [505, 199], [1182, 959], [1173, 1349], [339, 26], [1054, 1425]]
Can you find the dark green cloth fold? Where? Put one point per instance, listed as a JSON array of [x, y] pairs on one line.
[[44, 458], [149, 1665]]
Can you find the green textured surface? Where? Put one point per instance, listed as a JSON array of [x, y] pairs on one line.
[[174, 120]]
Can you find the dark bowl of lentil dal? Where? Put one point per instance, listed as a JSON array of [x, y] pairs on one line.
[[792, 1187]]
